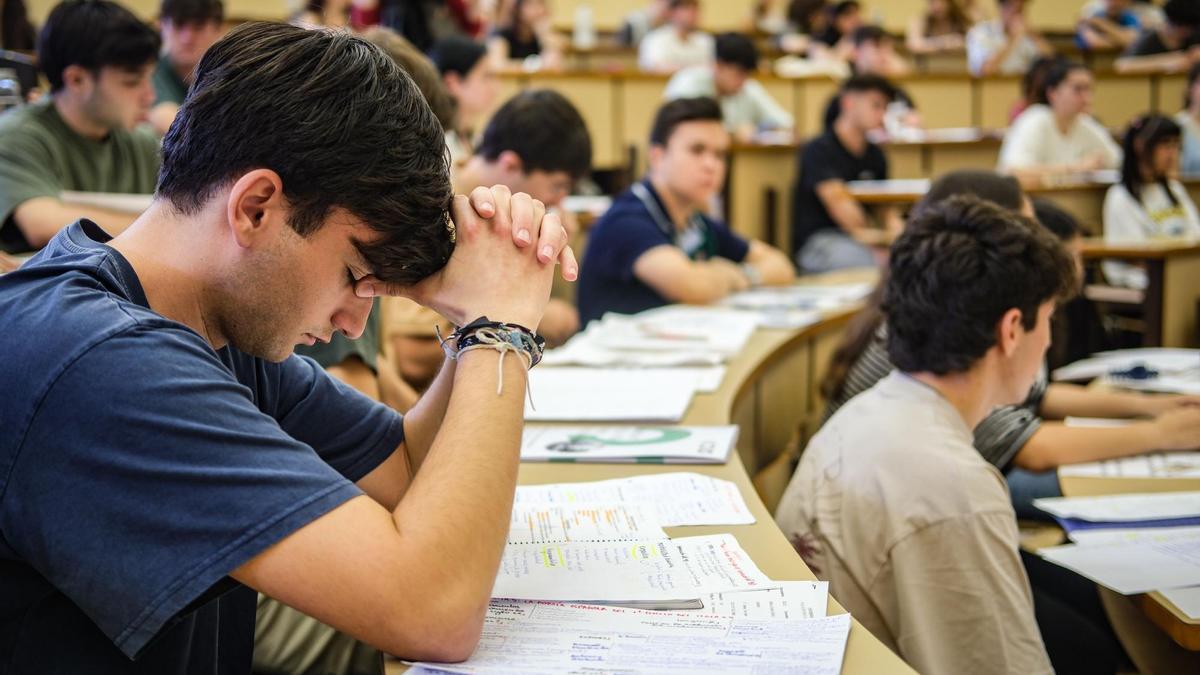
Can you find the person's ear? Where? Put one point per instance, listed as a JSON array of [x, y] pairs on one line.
[[510, 163], [1009, 332], [256, 207], [453, 82], [654, 155], [78, 79]]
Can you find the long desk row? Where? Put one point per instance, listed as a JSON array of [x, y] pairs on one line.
[[619, 107]]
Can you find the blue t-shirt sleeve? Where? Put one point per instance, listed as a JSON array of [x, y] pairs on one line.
[[617, 243], [147, 474], [349, 431], [730, 244]]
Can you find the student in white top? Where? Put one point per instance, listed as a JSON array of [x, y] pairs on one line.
[[746, 107], [1006, 45], [678, 44], [1057, 135], [1189, 120], [1148, 203]]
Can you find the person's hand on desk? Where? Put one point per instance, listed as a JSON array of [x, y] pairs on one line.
[[731, 272], [1178, 429], [503, 262]]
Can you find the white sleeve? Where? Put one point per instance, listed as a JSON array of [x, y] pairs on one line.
[[1020, 147], [687, 83], [978, 49], [1103, 142], [767, 112], [1122, 225], [649, 55], [1189, 207]]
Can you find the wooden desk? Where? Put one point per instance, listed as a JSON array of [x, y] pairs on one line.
[[1173, 269], [767, 387], [1081, 197], [1182, 629], [762, 177]]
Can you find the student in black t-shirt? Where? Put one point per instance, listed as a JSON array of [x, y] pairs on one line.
[[1173, 47], [830, 230]]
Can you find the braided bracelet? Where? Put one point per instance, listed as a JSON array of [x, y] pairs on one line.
[[483, 333]]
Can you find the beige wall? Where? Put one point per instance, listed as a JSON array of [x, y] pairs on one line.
[[148, 9], [1055, 15]]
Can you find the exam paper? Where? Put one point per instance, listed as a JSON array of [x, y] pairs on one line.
[[676, 327], [681, 498], [792, 600], [813, 297], [1162, 359], [555, 638], [667, 569], [668, 445], [1155, 465], [1129, 535], [1153, 561], [1186, 599], [565, 523], [1120, 508], [610, 395]]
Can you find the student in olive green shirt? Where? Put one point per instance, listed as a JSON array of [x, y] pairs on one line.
[[188, 29], [98, 58]]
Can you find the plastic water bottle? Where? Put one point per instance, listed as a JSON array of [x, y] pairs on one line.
[[584, 36]]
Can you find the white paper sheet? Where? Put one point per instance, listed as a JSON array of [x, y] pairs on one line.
[[1154, 561], [565, 523], [676, 327], [1186, 599], [681, 498], [1164, 360], [686, 568], [792, 600], [610, 395], [1156, 465], [551, 639], [1119, 508], [1102, 536], [667, 445], [811, 297]]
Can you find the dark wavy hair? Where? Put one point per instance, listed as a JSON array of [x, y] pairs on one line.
[[338, 120], [1055, 74], [545, 131], [1004, 191], [93, 34], [1144, 134], [958, 267]]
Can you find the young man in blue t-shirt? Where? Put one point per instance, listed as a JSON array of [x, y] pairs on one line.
[[163, 454], [655, 245]]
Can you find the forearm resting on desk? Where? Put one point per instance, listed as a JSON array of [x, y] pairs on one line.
[[669, 272], [415, 582], [40, 218]]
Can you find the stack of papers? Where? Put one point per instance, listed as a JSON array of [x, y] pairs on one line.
[[809, 297], [1164, 361], [791, 600], [553, 638], [663, 337], [600, 523], [1135, 562], [1156, 465], [650, 572], [663, 445], [1124, 508], [679, 498], [616, 395]]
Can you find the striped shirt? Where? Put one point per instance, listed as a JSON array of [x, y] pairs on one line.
[[998, 437]]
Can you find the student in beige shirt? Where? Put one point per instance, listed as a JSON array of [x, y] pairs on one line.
[[891, 503]]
